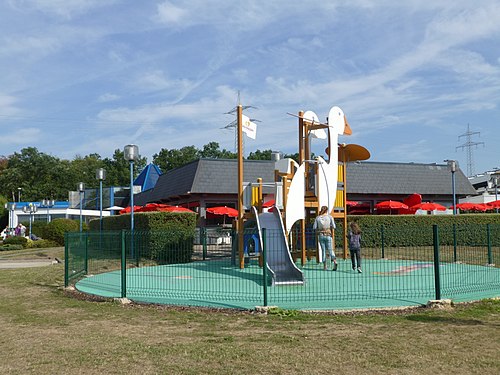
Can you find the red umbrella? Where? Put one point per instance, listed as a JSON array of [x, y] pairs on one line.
[[223, 210], [494, 204], [267, 204], [429, 206], [351, 203], [483, 207], [390, 205], [127, 210], [466, 206]]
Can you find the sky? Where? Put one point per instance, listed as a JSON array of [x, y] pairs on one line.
[[79, 77]]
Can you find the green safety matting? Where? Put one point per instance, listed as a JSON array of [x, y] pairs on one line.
[[216, 283]]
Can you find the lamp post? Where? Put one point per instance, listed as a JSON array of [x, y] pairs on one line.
[[47, 203], [19, 194], [131, 153], [81, 191], [31, 209], [495, 181], [452, 166], [11, 206], [101, 176]]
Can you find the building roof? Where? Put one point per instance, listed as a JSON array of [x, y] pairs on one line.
[[219, 176], [148, 177], [405, 178], [211, 176]]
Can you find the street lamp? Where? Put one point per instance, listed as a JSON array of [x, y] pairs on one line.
[[19, 194], [131, 153], [100, 174], [81, 191], [31, 209], [47, 203], [452, 166], [495, 181], [11, 206]]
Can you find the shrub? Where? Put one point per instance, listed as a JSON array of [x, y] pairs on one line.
[[7, 247], [16, 240], [165, 237], [55, 230], [39, 228], [417, 230]]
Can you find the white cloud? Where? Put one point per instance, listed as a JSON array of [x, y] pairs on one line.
[[20, 136], [8, 106], [170, 14], [105, 98]]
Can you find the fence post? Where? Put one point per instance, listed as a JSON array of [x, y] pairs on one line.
[[488, 236], [382, 238], [454, 243], [86, 253], [437, 279], [203, 234], [137, 248], [123, 266], [66, 259], [264, 266]]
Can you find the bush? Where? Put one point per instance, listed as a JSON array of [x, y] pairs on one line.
[[38, 228], [417, 230], [16, 240], [55, 230], [11, 247], [165, 237]]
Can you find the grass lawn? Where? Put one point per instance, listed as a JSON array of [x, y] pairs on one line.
[[46, 331]]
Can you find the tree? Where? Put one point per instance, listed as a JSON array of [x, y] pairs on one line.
[[32, 171], [212, 150], [260, 155], [118, 169], [170, 159]]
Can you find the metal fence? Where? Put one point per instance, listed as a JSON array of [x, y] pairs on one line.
[[400, 266]]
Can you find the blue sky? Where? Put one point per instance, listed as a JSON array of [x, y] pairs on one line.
[[85, 76]]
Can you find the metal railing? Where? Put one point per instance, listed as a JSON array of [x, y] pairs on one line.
[[399, 266]]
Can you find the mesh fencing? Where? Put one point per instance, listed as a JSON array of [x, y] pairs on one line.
[[399, 266]]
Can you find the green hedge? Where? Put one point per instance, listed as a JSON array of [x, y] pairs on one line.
[[165, 237], [16, 240], [54, 231], [8, 247], [417, 230]]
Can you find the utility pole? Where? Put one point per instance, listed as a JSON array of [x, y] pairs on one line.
[[468, 145]]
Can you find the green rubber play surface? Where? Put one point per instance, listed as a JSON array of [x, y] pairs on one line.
[[216, 283]]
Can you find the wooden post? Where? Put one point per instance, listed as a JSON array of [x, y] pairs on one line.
[[302, 156], [240, 186], [344, 174]]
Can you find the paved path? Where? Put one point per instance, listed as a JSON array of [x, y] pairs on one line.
[[9, 264]]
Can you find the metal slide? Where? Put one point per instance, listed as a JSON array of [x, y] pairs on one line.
[[279, 260]]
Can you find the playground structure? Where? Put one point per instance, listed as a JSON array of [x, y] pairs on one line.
[[399, 268], [300, 190]]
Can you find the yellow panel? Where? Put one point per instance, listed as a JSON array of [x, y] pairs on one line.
[[339, 200], [340, 173], [255, 195]]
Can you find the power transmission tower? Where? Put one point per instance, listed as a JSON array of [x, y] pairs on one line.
[[233, 124], [469, 145]]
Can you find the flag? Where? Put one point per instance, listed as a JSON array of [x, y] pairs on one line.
[[249, 127]]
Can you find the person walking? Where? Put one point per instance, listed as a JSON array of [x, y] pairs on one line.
[[324, 226], [354, 237]]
